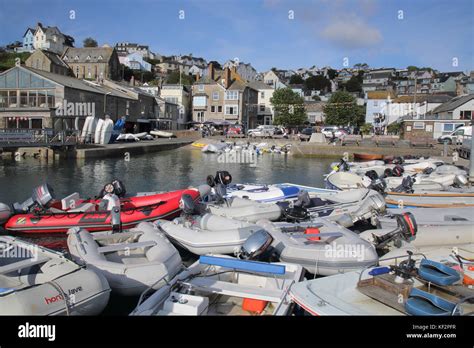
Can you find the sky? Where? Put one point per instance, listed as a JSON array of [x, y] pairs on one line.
[[288, 34]]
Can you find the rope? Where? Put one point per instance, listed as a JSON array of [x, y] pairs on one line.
[[63, 294]]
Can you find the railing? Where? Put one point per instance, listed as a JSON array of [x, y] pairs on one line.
[[36, 137]]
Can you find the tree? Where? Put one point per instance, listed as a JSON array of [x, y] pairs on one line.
[[394, 128], [289, 107], [316, 98], [361, 66], [296, 80], [342, 110], [173, 78], [317, 83], [332, 74], [89, 42], [354, 84], [7, 59]]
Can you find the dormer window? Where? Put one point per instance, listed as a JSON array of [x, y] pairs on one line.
[[76, 58], [100, 58], [65, 58], [88, 58]]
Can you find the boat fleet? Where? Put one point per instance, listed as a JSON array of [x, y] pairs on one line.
[[241, 147], [251, 249]]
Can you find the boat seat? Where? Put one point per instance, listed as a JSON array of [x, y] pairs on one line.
[[236, 290], [437, 273], [16, 266], [70, 201], [125, 246], [84, 207], [423, 303]]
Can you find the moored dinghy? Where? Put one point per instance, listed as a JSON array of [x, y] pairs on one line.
[[415, 286], [131, 261], [223, 285], [38, 281]]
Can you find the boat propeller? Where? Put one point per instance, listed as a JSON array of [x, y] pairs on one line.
[[221, 177], [406, 230]]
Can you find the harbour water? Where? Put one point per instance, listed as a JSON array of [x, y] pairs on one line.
[[161, 171]]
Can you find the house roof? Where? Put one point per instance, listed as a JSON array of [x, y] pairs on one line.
[[259, 85], [431, 98], [453, 104], [93, 52], [54, 58], [380, 94]]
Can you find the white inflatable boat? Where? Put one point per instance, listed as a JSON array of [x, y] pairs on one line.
[[263, 193], [320, 246], [161, 134], [223, 285], [131, 261], [214, 148], [412, 285], [38, 281]]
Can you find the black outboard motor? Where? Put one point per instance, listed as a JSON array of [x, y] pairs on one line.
[[116, 187], [222, 177], [186, 204], [387, 173], [298, 210], [428, 170], [372, 174], [342, 166], [377, 184], [42, 197], [406, 185], [406, 231], [221, 192], [398, 160], [255, 245], [398, 171]]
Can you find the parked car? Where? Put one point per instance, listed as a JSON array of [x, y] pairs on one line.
[[457, 136], [262, 131], [338, 132], [305, 134], [234, 130]]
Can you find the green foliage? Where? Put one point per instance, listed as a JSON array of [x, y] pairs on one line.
[[89, 42], [139, 76], [296, 80], [316, 98], [366, 128], [317, 83], [354, 84], [289, 108], [394, 128], [7, 59], [342, 110], [362, 66], [173, 78]]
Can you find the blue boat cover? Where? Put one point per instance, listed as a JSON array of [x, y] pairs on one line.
[[244, 265], [437, 273], [423, 303]]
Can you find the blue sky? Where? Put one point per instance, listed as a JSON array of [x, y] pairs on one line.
[[436, 33]]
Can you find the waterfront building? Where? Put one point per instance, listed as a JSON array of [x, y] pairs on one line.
[[126, 48], [224, 95], [444, 119], [93, 63], [315, 111], [36, 99], [178, 95], [265, 113], [377, 79]]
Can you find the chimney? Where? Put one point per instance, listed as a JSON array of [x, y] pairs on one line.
[[227, 77], [198, 76], [211, 71]]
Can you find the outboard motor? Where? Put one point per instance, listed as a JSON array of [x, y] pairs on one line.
[[42, 197], [428, 170], [406, 185], [297, 211], [303, 199], [460, 180], [387, 173], [115, 187], [116, 221], [398, 160], [5, 213], [372, 174], [204, 192], [221, 192], [406, 231], [377, 184], [222, 177], [255, 245], [186, 204], [398, 171]]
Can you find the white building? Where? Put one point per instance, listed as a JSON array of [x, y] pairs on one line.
[[126, 48], [179, 95], [265, 111], [135, 61], [45, 38]]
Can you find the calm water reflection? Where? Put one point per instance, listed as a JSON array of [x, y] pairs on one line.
[[162, 171]]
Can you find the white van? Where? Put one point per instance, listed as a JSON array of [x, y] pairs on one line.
[[457, 136]]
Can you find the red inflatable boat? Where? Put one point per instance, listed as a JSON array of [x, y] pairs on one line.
[[133, 210]]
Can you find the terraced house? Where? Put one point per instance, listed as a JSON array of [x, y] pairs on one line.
[[222, 95]]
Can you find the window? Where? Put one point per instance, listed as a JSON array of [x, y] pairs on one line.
[[199, 101], [37, 123], [262, 95], [219, 108], [418, 125], [42, 102], [23, 99], [32, 102], [12, 99], [3, 99], [201, 88], [88, 58], [466, 115], [231, 110], [215, 95], [262, 108], [213, 108], [200, 116], [232, 95]]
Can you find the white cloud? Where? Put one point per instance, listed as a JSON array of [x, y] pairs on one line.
[[351, 32]]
